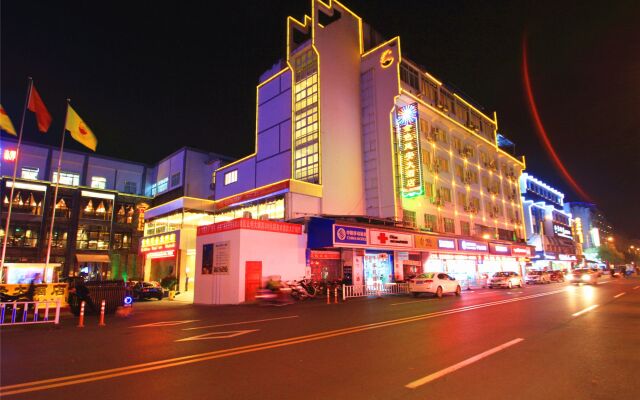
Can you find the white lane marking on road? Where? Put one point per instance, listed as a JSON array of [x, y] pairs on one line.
[[238, 323], [410, 302], [635, 287], [593, 307], [217, 335], [165, 323], [619, 295], [602, 283], [62, 381], [462, 364]]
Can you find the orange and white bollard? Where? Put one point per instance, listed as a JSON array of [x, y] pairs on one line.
[[328, 295], [101, 323], [81, 320], [335, 295]]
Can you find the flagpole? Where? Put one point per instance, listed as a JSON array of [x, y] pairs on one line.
[[55, 192], [15, 171]]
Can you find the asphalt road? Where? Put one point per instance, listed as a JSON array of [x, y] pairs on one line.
[[545, 342]]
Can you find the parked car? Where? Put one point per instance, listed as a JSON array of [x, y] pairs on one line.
[[148, 290], [556, 276], [506, 279], [437, 283], [537, 277], [583, 275]]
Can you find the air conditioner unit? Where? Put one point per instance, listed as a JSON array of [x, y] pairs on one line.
[[247, 214]]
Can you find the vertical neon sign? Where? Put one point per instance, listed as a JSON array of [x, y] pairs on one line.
[[409, 149]]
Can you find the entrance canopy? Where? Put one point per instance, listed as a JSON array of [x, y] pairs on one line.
[[99, 258]]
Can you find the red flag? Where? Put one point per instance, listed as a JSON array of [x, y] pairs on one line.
[[37, 106]]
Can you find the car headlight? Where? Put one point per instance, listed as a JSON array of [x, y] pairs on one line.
[[586, 277]]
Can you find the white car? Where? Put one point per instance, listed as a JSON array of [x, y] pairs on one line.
[[506, 279], [437, 283]]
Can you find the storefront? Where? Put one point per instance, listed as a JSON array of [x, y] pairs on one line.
[[375, 255], [161, 255]]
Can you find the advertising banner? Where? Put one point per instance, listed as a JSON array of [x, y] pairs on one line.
[[425, 241], [472, 245], [500, 249], [390, 238]]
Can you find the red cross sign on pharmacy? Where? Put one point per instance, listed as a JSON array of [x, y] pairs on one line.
[[390, 239]]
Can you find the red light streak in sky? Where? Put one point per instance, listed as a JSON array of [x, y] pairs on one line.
[[542, 133]]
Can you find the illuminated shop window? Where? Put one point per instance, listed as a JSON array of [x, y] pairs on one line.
[[98, 182], [231, 177], [29, 173], [67, 178], [306, 148]]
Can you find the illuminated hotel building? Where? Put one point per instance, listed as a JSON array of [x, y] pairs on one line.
[[352, 134], [549, 227]]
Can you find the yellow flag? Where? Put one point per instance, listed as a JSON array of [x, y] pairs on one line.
[[5, 122], [79, 130]]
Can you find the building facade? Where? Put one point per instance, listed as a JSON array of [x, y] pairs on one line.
[[591, 225], [550, 228], [99, 211], [351, 130]]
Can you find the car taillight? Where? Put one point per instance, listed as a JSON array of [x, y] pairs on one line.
[[428, 281]]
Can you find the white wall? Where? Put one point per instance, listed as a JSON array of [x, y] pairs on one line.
[[280, 253]]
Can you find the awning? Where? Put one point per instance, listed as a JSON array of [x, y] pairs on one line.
[[100, 258]]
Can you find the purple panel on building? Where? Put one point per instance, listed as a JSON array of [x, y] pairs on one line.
[[268, 143], [274, 169]]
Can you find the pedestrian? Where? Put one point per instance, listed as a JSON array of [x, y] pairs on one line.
[[81, 291]]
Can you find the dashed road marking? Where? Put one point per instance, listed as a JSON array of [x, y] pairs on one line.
[[619, 295], [462, 364], [585, 310], [217, 335]]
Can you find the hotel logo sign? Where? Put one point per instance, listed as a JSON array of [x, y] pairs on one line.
[[409, 150]]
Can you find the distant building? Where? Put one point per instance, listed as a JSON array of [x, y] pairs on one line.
[[548, 225], [593, 227]]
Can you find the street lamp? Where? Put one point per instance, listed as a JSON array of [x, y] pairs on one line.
[[610, 239]]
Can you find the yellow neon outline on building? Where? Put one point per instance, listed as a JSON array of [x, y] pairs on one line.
[[378, 47], [330, 6]]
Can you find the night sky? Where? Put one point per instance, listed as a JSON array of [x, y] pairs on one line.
[[150, 77]]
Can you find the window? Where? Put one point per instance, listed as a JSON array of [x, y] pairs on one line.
[[428, 189], [175, 179], [449, 226], [163, 185], [98, 182], [92, 237], [410, 76], [443, 165], [121, 240], [446, 194], [409, 218], [67, 178], [465, 228], [431, 222], [29, 173], [306, 126], [231, 177], [130, 187]]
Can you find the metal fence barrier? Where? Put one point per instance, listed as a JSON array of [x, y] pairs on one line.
[[376, 289], [29, 312]]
